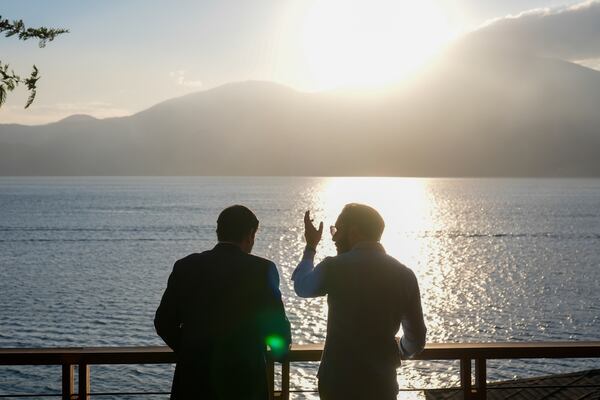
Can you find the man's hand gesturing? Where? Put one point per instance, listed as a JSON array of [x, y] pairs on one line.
[[312, 234]]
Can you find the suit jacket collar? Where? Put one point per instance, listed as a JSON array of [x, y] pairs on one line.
[[227, 246], [372, 246]]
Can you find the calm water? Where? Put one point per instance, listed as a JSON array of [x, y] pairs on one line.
[[84, 261]]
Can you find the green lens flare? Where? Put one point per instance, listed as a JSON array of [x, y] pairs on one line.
[[276, 343]]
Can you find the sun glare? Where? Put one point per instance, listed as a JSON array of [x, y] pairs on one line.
[[370, 43], [406, 204]]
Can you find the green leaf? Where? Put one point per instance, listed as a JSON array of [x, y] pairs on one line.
[[11, 84], [33, 78], [31, 97], [2, 95]]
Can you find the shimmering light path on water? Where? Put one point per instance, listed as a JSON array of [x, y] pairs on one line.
[[84, 261]]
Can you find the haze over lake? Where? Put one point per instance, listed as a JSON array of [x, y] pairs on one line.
[[84, 262]]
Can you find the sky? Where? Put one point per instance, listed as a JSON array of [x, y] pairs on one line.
[[122, 56]]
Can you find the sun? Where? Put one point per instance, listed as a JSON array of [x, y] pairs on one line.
[[370, 43]]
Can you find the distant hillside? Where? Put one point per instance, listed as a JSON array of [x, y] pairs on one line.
[[476, 112]]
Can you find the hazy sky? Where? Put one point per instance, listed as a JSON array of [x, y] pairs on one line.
[[122, 56]]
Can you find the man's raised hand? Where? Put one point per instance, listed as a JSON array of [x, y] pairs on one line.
[[312, 234]]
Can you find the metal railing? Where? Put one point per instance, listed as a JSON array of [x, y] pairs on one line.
[[467, 353]]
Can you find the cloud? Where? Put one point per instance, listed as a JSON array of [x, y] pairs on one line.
[[569, 33], [593, 63], [179, 77]]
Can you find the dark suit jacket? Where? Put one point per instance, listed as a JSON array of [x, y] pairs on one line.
[[216, 313]]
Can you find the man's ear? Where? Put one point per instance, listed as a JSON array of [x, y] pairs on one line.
[[251, 237], [354, 235]]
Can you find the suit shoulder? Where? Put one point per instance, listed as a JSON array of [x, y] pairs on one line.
[[260, 261], [190, 260], [339, 259], [404, 271], [398, 264]]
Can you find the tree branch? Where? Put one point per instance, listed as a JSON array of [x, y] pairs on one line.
[[44, 35], [9, 80]]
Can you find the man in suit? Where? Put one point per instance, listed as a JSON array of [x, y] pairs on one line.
[[369, 295], [219, 312]]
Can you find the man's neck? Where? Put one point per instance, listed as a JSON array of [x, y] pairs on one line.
[[241, 246], [227, 242], [369, 244]]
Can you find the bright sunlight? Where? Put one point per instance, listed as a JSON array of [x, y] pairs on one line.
[[371, 43]]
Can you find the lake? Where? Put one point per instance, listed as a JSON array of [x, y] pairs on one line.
[[84, 262]]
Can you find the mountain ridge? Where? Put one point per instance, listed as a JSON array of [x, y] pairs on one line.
[[503, 116]]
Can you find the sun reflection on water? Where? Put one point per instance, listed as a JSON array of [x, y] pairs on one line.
[[404, 203]]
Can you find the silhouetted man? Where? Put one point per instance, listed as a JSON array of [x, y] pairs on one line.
[[369, 294], [220, 309]]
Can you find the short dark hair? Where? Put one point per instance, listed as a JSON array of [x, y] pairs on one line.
[[235, 222], [366, 219]]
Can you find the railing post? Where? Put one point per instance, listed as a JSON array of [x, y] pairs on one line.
[[271, 377], [68, 381], [465, 378], [480, 378], [285, 379], [84, 381]]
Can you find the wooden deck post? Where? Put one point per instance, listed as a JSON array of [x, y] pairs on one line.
[[465, 378], [480, 378], [271, 377], [68, 381], [285, 379], [84, 382]]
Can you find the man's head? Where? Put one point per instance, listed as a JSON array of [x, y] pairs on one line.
[[237, 224], [357, 223]]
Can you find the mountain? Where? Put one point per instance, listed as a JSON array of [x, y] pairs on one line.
[[476, 111]]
